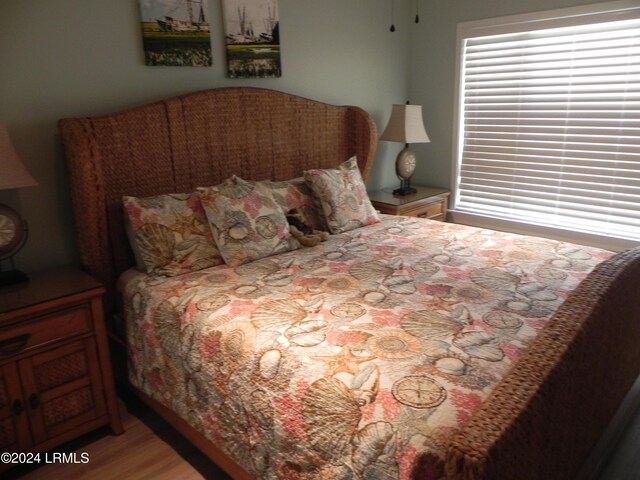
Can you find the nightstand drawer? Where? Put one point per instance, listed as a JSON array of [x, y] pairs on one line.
[[433, 210], [51, 328]]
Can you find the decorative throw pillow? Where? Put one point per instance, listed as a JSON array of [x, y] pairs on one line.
[[169, 234], [295, 195], [245, 220], [343, 196]]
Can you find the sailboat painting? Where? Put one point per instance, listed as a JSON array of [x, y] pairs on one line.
[[252, 38], [176, 33]]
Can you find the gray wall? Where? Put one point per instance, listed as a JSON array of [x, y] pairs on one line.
[[432, 71], [63, 58]]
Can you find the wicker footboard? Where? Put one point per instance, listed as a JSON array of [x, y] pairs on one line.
[[547, 414]]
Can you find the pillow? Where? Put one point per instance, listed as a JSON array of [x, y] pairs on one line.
[[169, 234], [295, 195], [343, 196], [245, 220]]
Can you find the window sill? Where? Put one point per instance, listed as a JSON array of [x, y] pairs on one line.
[[512, 226]]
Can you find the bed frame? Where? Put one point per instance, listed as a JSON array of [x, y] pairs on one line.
[[541, 421]]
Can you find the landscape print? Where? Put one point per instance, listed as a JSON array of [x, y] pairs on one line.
[[252, 38], [176, 33]]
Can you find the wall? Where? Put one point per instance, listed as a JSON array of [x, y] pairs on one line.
[[63, 58], [433, 71]]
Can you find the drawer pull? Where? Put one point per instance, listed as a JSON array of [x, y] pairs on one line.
[[14, 345], [34, 401], [18, 408], [422, 215]]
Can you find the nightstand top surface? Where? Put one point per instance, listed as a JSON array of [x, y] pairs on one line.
[[386, 195], [46, 286]]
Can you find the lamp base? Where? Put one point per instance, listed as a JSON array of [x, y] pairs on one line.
[[405, 166], [405, 188], [11, 277], [403, 192]]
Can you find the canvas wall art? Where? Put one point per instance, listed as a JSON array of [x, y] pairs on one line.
[[176, 33], [252, 38]]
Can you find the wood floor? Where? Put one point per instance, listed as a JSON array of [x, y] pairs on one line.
[[151, 449]]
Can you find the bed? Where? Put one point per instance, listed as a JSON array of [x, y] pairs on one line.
[[405, 348]]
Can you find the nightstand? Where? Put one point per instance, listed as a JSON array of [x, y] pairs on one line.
[[427, 202], [56, 381]]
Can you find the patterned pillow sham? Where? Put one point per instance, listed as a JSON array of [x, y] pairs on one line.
[[169, 234], [294, 194], [343, 196], [245, 220]]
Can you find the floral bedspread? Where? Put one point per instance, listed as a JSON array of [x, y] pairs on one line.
[[355, 359]]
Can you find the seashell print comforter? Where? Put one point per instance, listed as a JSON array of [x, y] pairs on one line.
[[355, 359]]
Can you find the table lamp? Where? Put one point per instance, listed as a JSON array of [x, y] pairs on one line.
[[405, 126], [13, 228]]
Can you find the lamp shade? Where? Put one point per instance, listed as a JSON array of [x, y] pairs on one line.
[[13, 173], [405, 125]]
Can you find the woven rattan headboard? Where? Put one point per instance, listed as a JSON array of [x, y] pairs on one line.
[[194, 140]]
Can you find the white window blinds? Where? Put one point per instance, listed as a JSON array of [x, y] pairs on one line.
[[550, 127]]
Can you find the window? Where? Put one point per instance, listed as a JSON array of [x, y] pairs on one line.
[[549, 119]]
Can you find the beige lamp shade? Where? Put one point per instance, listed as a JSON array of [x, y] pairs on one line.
[[405, 125], [13, 174]]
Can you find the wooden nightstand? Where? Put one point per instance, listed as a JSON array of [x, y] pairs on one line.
[[426, 203], [56, 381]]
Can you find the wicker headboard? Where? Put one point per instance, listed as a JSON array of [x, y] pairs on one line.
[[196, 140]]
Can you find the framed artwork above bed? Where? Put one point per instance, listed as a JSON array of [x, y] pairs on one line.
[[176, 33], [252, 40]]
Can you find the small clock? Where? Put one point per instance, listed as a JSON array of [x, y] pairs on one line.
[[405, 164], [12, 232]]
